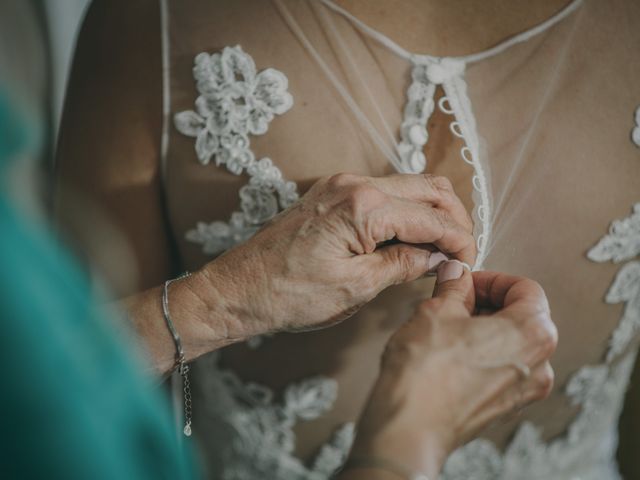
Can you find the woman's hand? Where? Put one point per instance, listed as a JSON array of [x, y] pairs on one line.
[[318, 262], [313, 265], [447, 372]]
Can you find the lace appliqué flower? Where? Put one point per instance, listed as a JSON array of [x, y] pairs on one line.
[[235, 102], [261, 441]]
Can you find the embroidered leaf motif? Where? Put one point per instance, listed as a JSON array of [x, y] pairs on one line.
[[585, 382], [189, 123], [479, 459], [623, 241], [597, 389], [620, 244], [625, 288], [206, 146], [333, 454]]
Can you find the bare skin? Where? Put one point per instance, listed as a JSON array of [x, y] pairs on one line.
[[445, 374], [417, 413], [312, 266], [122, 179], [462, 27]]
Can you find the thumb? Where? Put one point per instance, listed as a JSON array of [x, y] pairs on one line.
[[402, 262], [455, 284]]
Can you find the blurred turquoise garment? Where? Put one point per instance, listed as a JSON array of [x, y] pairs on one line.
[[14, 137], [73, 403]]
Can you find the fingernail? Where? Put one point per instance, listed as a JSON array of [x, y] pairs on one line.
[[450, 270], [435, 259]]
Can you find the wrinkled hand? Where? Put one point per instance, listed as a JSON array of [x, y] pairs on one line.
[[321, 260], [447, 372]]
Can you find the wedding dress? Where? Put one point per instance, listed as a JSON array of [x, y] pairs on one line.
[[541, 137]]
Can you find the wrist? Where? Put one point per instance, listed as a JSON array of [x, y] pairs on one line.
[[421, 454], [397, 427], [204, 310]]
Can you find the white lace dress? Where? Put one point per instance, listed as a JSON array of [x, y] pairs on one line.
[[237, 102]]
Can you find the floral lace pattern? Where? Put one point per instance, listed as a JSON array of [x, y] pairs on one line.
[[236, 101], [260, 437], [262, 440], [252, 428], [587, 450], [621, 244]]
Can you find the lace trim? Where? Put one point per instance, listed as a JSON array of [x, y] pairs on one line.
[[426, 75], [635, 133], [622, 243], [262, 440], [236, 101], [586, 451]]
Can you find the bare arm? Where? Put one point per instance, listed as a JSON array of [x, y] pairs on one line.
[[108, 190], [313, 265], [310, 266]]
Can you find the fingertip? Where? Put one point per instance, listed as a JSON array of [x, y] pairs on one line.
[[450, 270], [435, 260], [454, 282]]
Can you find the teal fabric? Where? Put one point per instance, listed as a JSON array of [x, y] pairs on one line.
[[14, 137], [73, 403]]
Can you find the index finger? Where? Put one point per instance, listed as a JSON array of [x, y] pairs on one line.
[[501, 291], [416, 223], [425, 188]]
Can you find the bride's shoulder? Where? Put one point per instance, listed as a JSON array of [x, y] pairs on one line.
[[120, 31]]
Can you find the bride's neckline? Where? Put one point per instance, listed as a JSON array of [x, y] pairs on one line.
[[471, 58]]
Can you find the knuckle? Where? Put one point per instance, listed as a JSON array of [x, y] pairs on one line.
[[470, 247], [441, 184], [508, 403], [407, 262], [544, 335], [468, 223], [552, 338], [542, 384], [428, 307], [546, 382], [362, 196], [442, 220], [341, 180], [535, 291], [401, 351]]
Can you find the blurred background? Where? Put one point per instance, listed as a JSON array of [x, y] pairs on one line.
[[38, 40]]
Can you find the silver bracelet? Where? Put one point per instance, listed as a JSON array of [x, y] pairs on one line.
[[180, 364], [378, 463]]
